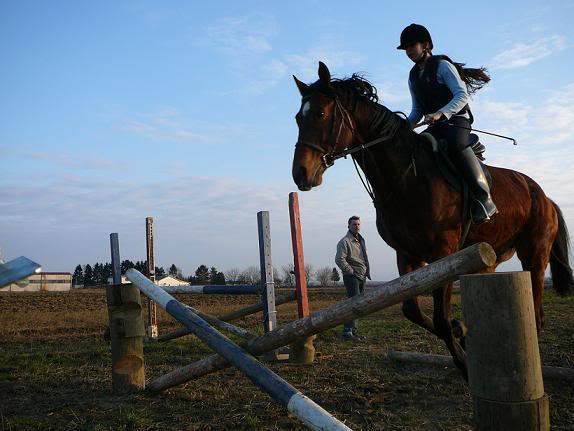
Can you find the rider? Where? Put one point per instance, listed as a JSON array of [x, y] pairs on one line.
[[439, 91]]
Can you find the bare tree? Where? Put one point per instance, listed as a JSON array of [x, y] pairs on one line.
[[309, 273], [232, 275], [251, 275], [323, 275]]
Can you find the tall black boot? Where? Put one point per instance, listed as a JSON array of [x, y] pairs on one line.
[[482, 207]]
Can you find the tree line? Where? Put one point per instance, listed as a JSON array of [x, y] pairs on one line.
[[100, 273]]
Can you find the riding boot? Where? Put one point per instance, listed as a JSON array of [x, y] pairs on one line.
[[482, 207]]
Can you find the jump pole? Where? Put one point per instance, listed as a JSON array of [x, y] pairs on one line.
[[504, 370], [232, 315], [302, 351], [310, 413], [423, 280], [126, 329], [152, 312]]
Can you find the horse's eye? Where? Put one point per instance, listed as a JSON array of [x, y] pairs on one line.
[[321, 114]]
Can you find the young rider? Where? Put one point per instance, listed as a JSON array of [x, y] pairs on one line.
[[439, 91]]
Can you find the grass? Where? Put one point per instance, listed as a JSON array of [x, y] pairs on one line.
[[55, 373]]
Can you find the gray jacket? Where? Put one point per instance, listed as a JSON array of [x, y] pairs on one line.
[[352, 257]]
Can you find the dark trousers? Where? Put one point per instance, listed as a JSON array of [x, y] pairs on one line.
[[456, 137], [354, 286]]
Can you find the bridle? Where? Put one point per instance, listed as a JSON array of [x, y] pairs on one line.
[[328, 157]]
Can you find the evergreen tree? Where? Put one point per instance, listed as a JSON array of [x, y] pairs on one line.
[[212, 275], [88, 276], [97, 273], [159, 272], [125, 265], [173, 270], [335, 276], [202, 274], [141, 266], [106, 273], [78, 277]]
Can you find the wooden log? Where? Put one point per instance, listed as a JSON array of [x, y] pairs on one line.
[[229, 317], [310, 413], [302, 351], [504, 370], [126, 330], [548, 372], [423, 280]]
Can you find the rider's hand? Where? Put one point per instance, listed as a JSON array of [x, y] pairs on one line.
[[434, 117]]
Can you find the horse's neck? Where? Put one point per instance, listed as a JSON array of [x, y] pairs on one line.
[[386, 163]]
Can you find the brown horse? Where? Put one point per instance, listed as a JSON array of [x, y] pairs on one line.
[[418, 214]]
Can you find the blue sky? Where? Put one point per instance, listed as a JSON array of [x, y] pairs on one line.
[[184, 111]]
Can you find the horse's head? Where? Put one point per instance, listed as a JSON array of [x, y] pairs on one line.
[[325, 129]]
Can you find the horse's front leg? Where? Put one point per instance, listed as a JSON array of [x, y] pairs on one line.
[[443, 325], [411, 309]]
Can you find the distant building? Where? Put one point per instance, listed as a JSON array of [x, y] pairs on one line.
[[42, 282], [170, 280], [164, 280]]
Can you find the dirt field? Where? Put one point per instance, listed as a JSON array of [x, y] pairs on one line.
[[55, 372]]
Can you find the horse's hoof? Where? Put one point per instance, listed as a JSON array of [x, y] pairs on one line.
[[458, 328]]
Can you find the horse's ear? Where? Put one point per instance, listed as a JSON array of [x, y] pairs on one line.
[[324, 74], [301, 86]]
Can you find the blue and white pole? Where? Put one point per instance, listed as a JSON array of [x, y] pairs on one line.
[[310, 413]]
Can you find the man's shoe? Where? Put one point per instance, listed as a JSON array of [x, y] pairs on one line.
[[348, 335]]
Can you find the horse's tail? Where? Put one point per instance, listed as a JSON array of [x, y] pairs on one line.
[[562, 279]]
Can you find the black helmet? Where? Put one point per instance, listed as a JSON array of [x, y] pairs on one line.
[[414, 33]]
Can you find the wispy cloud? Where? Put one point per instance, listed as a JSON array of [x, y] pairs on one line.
[[59, 158], [523, 54], [241, 35]]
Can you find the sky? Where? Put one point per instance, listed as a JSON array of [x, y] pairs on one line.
[[114, 111]]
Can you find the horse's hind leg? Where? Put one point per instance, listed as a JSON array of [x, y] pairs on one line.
[[442, 323], [535, 259], [411, 309]]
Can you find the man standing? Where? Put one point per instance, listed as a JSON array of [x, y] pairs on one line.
[[352, 259]]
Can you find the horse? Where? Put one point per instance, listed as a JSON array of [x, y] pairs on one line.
[[417, 213]]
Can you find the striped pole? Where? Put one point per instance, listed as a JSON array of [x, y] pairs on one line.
[[214, 289], [310, 413]]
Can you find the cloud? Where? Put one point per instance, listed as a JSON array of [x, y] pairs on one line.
[[241, 35], [92, 162], [522, 54]]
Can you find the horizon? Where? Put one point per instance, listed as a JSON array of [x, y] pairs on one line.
[[184, 112]]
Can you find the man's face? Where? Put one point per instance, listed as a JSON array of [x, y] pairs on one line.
[[355, 226]]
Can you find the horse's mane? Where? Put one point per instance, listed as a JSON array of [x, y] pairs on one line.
[[355, 88]]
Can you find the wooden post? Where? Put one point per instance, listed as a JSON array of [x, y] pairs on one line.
[[424, 280], [504, 370], [302, 351], [126, 329], [267, 283], [311, 414], [151, 308]]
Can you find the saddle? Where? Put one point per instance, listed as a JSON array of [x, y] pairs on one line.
[[447, 168]]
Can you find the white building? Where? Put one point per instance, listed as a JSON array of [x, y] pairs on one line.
[[42, 282], [170, 280]]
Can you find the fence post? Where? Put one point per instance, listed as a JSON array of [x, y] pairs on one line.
[[126, 329], [302, 351], [151, 307], [267, 283], [504, 369]]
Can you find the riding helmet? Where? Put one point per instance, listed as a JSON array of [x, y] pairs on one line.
[[414, 33]]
